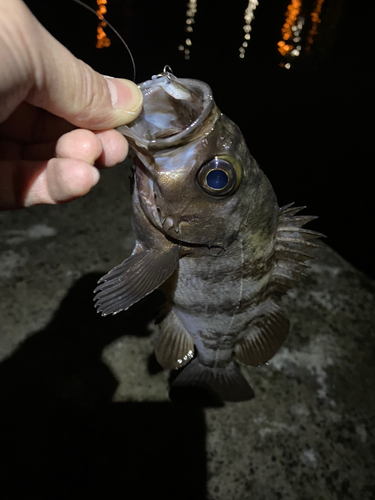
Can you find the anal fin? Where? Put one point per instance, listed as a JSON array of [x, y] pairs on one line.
[[175, 347], [266, 334], [136, 277]]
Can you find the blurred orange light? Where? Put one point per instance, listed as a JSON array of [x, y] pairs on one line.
[[292, 14], [101, 38], [315, 19]]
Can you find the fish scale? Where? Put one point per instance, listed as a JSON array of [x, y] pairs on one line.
[[218, 246], [221, 320]]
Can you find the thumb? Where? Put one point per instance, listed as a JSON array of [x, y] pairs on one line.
[[67, 87]]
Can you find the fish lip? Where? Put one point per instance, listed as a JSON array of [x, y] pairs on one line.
[[157, 220], [209, 105], [187, 244]]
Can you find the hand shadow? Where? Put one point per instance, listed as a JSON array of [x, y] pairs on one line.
[[61, 437]]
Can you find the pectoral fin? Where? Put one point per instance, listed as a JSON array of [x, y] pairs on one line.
[[136, 277], [267, 332]]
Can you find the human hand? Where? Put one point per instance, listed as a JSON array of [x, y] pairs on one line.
[[56, 115]]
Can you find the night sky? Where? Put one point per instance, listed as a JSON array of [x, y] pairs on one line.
[[307, 126]]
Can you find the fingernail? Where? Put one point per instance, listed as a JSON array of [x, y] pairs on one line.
[[95, 175], [125, 95]]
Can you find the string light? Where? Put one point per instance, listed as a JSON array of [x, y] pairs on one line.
[[101, 38], [290, 45], [190, 15], [248, 17], [315, 20]]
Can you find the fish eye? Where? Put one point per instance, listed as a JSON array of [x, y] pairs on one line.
[[220, 176]]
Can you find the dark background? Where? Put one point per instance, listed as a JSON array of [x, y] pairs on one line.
[[62, 437], [307, 126]]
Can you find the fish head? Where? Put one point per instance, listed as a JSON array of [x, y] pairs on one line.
[[196, 180]]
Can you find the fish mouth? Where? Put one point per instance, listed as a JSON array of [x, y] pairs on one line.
[[183, 243], [170, 226], [174, 109], [146, 179], [176, 112]]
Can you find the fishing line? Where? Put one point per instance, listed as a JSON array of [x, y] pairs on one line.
[[114, 31]]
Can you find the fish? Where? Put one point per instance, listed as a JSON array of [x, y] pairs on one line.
[[210, 235]]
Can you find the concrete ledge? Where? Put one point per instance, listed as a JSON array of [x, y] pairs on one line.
[[85, 411]]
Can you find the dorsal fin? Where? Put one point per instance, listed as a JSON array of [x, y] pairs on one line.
[[293, 248]]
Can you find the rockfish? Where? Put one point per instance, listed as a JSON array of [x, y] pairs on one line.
[[210, 234]]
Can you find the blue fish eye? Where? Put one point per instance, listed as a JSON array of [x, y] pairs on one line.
[[217, 179], [220, 176]]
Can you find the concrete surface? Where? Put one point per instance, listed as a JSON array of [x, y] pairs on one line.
[[85, 411]]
